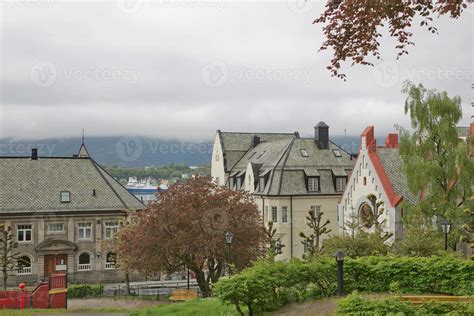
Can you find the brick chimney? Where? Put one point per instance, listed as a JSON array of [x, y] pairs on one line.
[[321, 135], [368, 140], [391, 141]]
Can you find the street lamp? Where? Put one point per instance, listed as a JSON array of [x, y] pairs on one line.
[[446, 229], [228, 238], [339, 255], [278, 247]]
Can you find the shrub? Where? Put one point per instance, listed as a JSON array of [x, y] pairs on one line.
[[355, 305], [361, 244], [84, 290]]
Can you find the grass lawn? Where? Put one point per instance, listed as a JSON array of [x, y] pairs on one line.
[[35, 312], [201, 307]]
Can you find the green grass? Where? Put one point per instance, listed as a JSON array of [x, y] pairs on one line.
[[35, 312], [200, 307]]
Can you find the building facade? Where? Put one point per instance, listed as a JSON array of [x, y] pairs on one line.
[[288, 175], [378, 171], [63, 213]]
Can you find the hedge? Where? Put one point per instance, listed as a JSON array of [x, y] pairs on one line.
[[268, 285], [84, 290], [355, 305]]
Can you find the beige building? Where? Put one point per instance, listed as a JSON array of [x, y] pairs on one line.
[[63, 212], [287, 174]]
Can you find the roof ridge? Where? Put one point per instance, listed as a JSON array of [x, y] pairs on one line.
[[253, 133]]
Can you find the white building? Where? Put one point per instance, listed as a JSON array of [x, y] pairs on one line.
[[377, 170], [288, 175]]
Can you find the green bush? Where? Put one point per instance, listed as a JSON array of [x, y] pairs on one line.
[[362, 244], [269, 285], [355, 305], [84, 290]]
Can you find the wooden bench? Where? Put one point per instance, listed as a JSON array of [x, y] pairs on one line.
[[420, 299], [183, 295]]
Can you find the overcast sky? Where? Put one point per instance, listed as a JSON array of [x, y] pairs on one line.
[[184, 68]]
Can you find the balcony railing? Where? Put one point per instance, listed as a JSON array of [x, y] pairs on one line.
[[84, 267], [24, 270], [110, 265]]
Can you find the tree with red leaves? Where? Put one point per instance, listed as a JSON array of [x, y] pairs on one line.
[[352, 27], [186, 228]]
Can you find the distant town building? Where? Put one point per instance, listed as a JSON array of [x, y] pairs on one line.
[[288, 175], [63, 212], [378, 171]]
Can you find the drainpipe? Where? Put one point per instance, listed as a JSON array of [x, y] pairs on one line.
[[291, 226]]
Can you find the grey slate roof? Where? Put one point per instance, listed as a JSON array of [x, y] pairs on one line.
[[287, 170], [393, 166], [34, 185]]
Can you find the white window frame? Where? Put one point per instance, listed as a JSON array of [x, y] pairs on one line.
[[25, 270], [284, 214], [24, 230], [84, 266], [304, 152], [79, 228], [109, 265], [341, 187], [274, 214], [68, 200], [56, 231], [113, 228], [313, 184]]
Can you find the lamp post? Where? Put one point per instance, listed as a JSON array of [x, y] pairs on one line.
[[278, 247], [339, 255], [228, 238], [446, 229], [188, 275]]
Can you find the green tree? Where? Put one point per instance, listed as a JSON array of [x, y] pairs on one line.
[[271, 232], [436, 161], [312, 241], [8, 255]]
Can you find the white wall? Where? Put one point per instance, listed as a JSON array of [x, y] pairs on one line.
[[217, 162]]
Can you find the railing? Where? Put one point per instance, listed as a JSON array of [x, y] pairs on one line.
[[84, 267], [110, 265], [57, 281], [24, 270]]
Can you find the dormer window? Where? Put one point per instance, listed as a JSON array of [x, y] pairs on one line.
[[304, 153], [340, 184], [336, 152], [313, 184], [262, 183], [65, 196]]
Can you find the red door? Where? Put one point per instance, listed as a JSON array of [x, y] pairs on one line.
[[55, 264]]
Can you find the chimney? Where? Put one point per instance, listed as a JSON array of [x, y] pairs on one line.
[[321, 135], [471, 131], [391, 141], [34, 154], [255, 141], [367, 139]]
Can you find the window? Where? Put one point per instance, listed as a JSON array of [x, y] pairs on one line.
[[231, 182], [304, 153], [110, 260], [340, 184], [274, 214], [313, 184], [316, 209], [366, 216], [24, 233], [217, 157], [84, 262], [84, 231], [24, 265], [262, 183], [111, 228], [250, 180], [265, 212], [336, 152], [239, 182], [65, 196], [365, 181], [56, 228], [284, 214]]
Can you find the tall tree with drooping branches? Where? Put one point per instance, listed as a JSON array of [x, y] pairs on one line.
[[186, 228]]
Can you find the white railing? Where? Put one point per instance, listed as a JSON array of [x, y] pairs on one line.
[[84, 267], [24, 270], [110, 265]]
